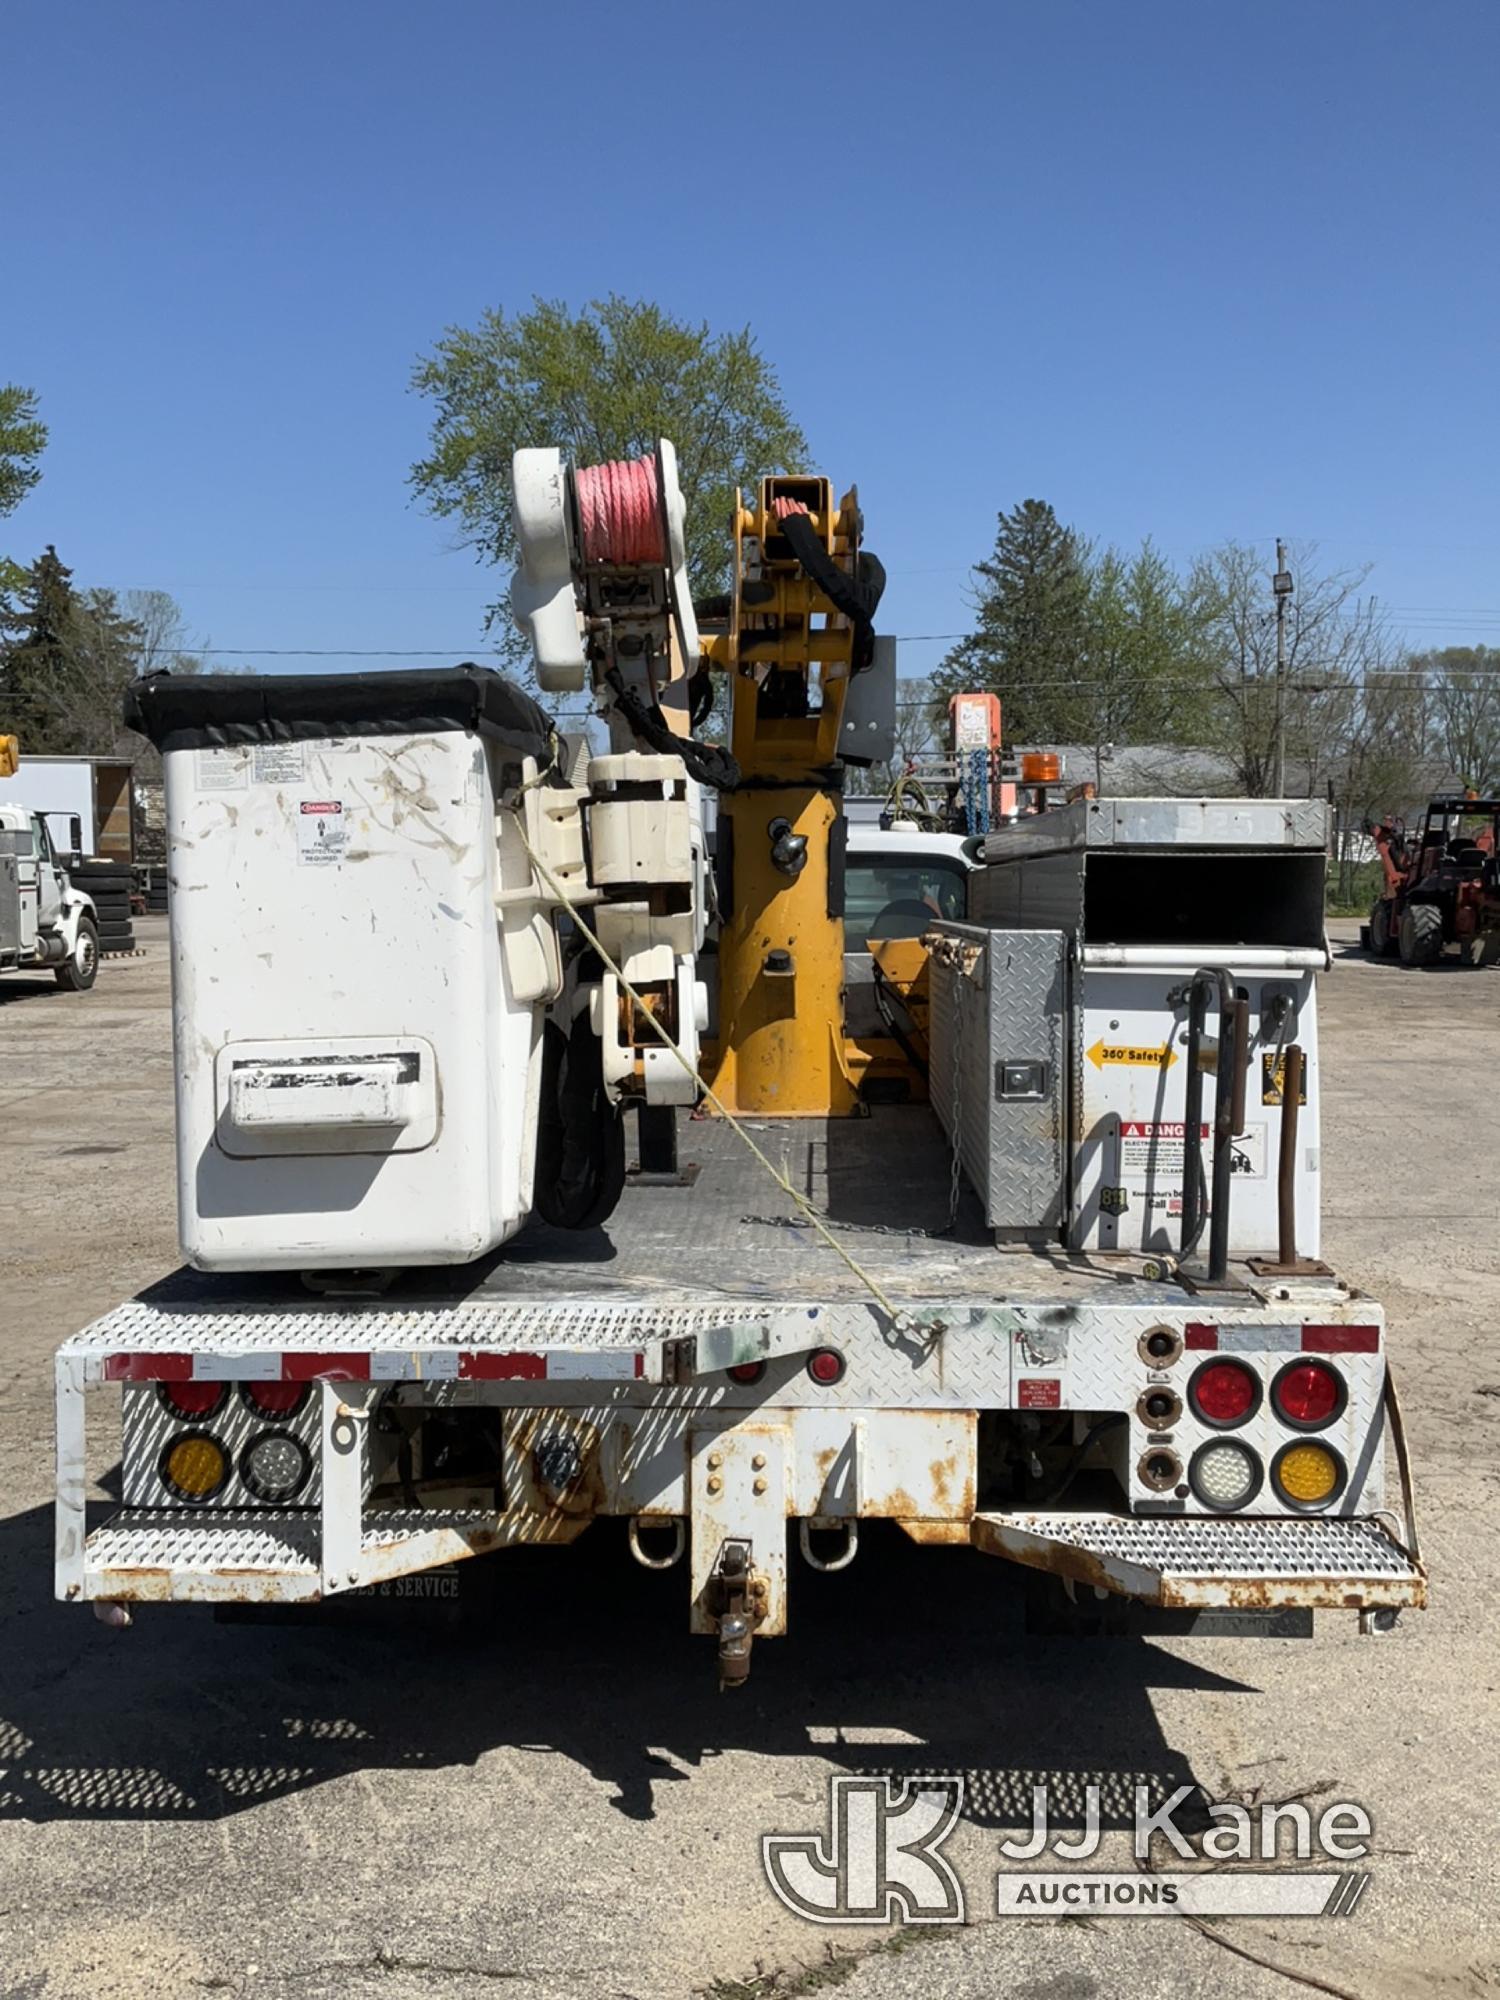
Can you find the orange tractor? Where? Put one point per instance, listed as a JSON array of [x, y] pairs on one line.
[[1441, 885]]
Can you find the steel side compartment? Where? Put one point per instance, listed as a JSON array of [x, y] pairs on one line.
[[612, 1348]]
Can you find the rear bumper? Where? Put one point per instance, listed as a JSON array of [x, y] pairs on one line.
[[145, 1556]]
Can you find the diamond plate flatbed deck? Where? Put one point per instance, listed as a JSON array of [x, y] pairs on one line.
[[881, 1182]]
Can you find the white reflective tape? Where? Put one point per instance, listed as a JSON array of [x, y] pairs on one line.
[[599, 1364], [410, 1366], [237, 1367], [1259, 1339]]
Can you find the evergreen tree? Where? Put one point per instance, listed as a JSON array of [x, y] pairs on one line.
[[34, 661], [1031, 601]]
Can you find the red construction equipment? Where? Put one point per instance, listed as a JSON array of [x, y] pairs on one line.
[[1441, 885]]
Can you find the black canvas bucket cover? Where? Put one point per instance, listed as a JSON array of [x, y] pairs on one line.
[[221, 711]]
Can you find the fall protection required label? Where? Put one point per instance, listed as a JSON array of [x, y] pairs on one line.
[[1153, 1151], [322, 832]]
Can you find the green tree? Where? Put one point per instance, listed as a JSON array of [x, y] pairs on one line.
[[1143, 677], [23, 437], [39, 623], [1031, 608], [601, 384]]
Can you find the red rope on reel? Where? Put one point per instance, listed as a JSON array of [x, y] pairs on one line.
[[619, 512]]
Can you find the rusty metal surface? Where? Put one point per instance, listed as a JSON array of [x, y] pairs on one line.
[[145, 1555], [1187, 1562]]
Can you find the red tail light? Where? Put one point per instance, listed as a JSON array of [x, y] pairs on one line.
[[1224, 1393], [275, 1399], [747, 1371], [193, 1399], [1308, 1394], [826, 1365]]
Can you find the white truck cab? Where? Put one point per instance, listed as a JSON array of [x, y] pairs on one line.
[[44, 920]]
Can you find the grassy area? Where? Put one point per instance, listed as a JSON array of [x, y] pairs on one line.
[[1352, 896]]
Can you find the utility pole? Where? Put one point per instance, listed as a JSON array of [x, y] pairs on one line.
[[1281, 584]]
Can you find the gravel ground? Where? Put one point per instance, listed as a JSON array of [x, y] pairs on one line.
[[550, 1799]]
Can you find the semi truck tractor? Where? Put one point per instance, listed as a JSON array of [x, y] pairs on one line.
[[1041, 1279]]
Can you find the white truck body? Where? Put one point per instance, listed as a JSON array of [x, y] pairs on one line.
[[45, 923]]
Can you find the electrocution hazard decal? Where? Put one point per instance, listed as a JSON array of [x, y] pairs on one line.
[[322, 832], [1154, 1150]]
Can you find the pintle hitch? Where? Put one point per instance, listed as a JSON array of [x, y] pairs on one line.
[[736, 1600]]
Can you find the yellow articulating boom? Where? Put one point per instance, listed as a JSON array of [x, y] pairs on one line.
[[798, 628]]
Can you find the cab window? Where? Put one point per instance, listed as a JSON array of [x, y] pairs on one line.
[[899, 896]]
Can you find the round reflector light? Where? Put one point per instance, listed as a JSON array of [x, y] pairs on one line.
[[747, 1371], [1308, 1476], [192, 1399], [826, 1365], [275, 1399], [275, 1466], [193, 1466], [1223, 1394], [1225, 1476], [1308, 1394]]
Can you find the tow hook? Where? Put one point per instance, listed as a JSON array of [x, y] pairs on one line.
[[736, 1600]]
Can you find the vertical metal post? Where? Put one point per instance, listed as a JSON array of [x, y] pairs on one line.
[[1229, 1118], [342, 1442], [1281, 585], [1192, 1123], [71, 1519], [1286, 1174], [656, 1135]]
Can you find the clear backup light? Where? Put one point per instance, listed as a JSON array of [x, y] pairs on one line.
[[275, 1466], [1225, 1475]]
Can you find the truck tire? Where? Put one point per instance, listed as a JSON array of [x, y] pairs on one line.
[[1381, 938], [79, 970], [1421, 934]]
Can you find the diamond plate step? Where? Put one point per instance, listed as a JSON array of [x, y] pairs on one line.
[[1188, 1562], [262, 1557]]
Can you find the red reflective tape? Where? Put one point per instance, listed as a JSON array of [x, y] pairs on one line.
[[1341, 1340], [1039, 1392], [502, 1367], [325, 1367], [1196, 1335], [640, 1365], [148, 1367]]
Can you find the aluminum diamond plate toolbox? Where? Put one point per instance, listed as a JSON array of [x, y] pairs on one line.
[[999, 1074], [1182, 1563]]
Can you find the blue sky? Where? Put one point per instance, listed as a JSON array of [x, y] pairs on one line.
[[1193, 271]]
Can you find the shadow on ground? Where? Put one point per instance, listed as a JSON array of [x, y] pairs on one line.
[[579, 1652]]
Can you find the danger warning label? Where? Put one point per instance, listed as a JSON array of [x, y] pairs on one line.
[[322, 832], [1152, 1151]]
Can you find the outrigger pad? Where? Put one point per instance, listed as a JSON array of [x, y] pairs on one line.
[[220, 711]]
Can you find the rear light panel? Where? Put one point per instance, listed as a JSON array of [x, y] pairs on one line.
[[1265, 1387], [235, 1417]]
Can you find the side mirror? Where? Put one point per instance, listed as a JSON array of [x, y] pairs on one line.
[[75, 840]]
